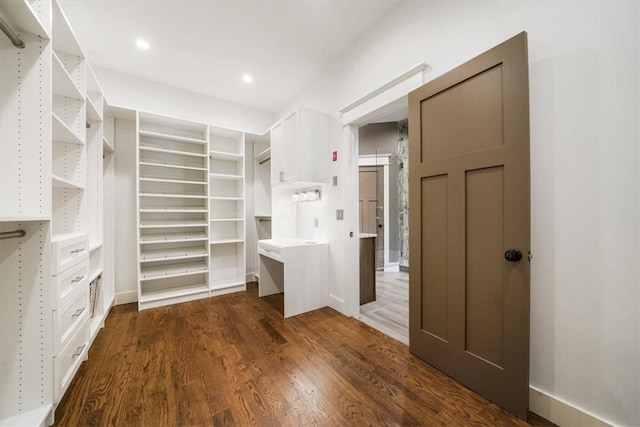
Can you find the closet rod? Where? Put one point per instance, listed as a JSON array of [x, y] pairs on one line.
[[12, 35], [264, 219], [264, 161], [12, 234]]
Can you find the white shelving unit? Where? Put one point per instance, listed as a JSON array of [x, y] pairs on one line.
[[50, 187], [173, 206], [227, 211]]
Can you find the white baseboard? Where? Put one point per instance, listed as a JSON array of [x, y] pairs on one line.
[[337, 304], [126, 297], [560, 412], [250, 277]]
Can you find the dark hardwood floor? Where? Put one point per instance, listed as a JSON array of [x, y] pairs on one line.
[[233, 360]]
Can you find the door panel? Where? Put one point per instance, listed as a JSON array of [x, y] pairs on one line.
[[485, 271], [469, 203], [469, 113], [434, 256]]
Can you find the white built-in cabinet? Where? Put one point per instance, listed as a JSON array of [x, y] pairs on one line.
[[300, 148], [191, 211], [56, 278]]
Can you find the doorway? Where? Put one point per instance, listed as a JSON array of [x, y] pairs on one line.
[[383, 198]]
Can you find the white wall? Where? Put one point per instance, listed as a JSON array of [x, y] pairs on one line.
[[135, 93], [585, 189], [124, 212]]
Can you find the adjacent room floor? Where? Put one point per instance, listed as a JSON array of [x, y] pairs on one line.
[[234, 360], [389, 313]]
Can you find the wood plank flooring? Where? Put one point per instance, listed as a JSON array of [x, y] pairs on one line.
[[389, 313], [234, 360]]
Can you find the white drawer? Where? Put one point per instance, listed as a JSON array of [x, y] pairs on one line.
[[67, 251], [270, 251], [68, 318], [67, 282], [67, 363]]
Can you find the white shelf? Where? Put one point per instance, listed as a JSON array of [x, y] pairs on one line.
[[227, 219], [63, 38], [94, 245], [170, 137], [173, 292], [226, 198], [223, 155], [175, 195], [227, 283], [225, 241], [106, 146], [63, 84], [66, 236], [173, 209], [173, 223], [172, 254], [167, 151], [172, 238], [170, 180], [172, 271], [24, 18], [59, 182], [34, 417], [171, 165], [92, 110], [94, 275], [62, 132], [225, 176]]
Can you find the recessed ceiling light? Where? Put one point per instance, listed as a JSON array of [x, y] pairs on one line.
[[142, 44], [247, 78]]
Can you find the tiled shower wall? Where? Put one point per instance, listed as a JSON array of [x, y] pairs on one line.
[[403, 193]]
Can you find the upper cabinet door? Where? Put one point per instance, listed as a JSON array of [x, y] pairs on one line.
[[291, 147], [277, 154], [300, 148]]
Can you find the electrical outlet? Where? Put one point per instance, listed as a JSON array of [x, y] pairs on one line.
[[315, 222], [340, 214]]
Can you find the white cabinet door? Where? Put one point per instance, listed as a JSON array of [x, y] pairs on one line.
[[278, 154], [292, 145]]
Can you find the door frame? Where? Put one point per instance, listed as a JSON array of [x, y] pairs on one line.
[[388, 99]]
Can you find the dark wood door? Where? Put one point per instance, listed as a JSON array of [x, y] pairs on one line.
[[371, 207], [469, 204]]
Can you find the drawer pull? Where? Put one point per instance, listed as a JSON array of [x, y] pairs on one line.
[[76, 251], [78, 312], [78, 352], [77, 279]]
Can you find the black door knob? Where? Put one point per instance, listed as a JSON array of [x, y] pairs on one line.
[[513, 255]]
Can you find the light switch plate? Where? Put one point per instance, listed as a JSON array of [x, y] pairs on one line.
[[340, 214], [335, 181]]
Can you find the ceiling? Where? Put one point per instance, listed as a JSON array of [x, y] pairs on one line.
[[206, 46]]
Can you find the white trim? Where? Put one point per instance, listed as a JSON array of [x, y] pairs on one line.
[[250, 277], [126, 297], [416, 70], [374, 160], [560, 412], [336, 303]]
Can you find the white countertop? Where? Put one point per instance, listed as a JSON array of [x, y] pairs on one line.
[[367, 235], [289, 243]]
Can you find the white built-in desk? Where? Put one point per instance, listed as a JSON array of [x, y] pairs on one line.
[[297, 267]]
